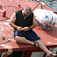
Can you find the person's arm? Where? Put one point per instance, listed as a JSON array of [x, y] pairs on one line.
[[8, 53], [11, 22]]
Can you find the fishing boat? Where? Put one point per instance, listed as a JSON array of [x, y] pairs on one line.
[[49, 37]]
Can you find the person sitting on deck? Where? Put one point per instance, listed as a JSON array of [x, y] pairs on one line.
[[23, 21]]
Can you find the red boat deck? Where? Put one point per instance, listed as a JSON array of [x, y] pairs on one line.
[[49, 38]]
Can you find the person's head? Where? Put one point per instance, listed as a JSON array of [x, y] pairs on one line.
[[26, 11]]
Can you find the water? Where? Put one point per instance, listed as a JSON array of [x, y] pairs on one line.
[[51, 3]]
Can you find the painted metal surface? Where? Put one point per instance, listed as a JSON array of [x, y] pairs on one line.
[[48, 37]]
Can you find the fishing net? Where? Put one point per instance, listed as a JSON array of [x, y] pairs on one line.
[[46, 19]]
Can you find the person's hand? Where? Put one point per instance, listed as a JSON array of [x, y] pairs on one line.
[[26, 28], [19, 29]]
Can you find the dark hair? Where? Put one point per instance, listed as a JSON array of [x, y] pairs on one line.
[[27, 9]]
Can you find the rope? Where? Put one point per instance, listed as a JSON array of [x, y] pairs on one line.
[[36, 6], [11, 6], [51, 15], [8, 39], [10, 35], [3, 19]]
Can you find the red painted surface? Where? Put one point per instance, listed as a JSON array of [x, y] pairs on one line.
[[48, 37]]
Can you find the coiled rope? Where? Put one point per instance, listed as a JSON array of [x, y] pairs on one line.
[[10, 35]]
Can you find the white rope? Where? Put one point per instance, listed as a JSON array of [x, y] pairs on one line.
[[8, 39]]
